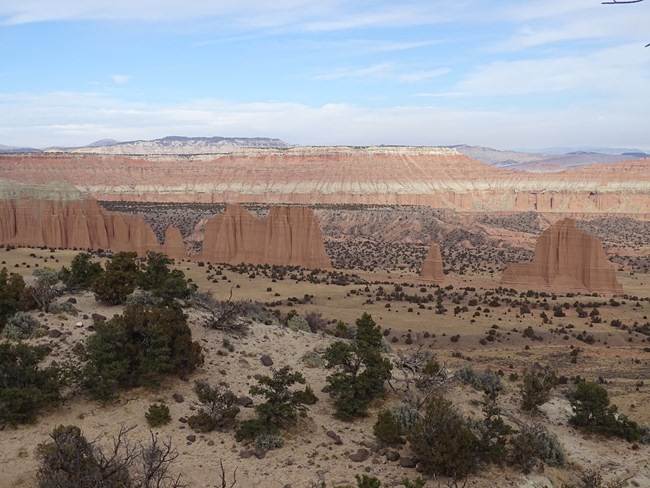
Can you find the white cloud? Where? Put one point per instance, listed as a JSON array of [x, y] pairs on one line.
[[620, 70], [79, 118], [120, 79], [382, 71]]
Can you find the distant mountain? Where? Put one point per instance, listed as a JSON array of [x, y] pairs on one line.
[[14, 149], [175, 145], [543, 162], [103, 142]]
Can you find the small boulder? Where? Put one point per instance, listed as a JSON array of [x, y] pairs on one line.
[[266, 360], [360, 456]]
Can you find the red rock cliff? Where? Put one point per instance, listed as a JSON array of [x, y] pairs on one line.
[[566, 259], [81, 224], [431, 270], [287, 236]]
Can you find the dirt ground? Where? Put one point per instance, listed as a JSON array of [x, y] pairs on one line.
[[617, 355]]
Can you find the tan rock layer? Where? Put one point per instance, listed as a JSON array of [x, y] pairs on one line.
[[566, 259], [288, 235], [432, 269], [435, 177]]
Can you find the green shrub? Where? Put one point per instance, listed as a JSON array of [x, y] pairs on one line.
[[142, 297], [20, 326], [268, 442], [64, 307], [82, 273], [26, 388], [313, 360], [119, 280], [406, 416], [487, 381], [163, 282], [492, 432], [14, 295], [536, 388], [533, 444], [388, 431], [253, 428], [593, 413], [158, 414], [218, 407], [297, 323], [361, 371], [443, 441], [365, 481], [137, 348]]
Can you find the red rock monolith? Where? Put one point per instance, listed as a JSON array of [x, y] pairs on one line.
[[174, 247], [566, 259], [432, 270], [287, 236]]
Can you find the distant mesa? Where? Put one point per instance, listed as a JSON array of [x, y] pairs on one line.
[[566, 259], [287, 236], [437, 177], [432, 270]]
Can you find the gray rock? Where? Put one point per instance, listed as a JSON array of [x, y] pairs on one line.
[[393, 455], [335, 437], [245, 402], [407, 462], [266, 360], [360, 456]]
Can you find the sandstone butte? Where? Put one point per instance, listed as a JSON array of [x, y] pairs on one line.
[[288, 235], [433, 176], [568, 259], [431, 270], [59, 216]]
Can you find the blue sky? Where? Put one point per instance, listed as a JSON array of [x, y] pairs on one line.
[[506, 74]]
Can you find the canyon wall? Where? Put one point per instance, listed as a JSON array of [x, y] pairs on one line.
[[431, 176], [288, 235], [566, 259]]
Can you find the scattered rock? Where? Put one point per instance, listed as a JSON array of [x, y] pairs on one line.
[[334, 436], [393, 455], [191, 438], [407, 462], [54, 333], [266, 360], [178, 398], [360, 456], [245, 402]]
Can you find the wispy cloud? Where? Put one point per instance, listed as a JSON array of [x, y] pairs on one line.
[[78, 118], [120, 79], [383, 71]]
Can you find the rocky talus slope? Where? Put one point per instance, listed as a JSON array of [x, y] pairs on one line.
[[432, 176], [566, 258]]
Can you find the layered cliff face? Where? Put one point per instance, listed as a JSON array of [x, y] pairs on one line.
[[80, 224], [566, 259], [287, 236], [432, 176], [432, 270]]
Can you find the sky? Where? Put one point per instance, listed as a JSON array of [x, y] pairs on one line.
[[504, 74]]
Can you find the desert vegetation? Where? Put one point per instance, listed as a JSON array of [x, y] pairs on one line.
[[336, 378]]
